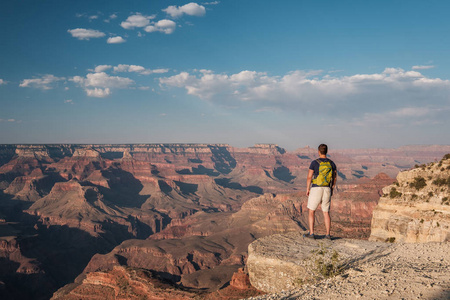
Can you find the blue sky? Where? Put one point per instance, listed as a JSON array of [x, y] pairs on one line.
[[353, 74]]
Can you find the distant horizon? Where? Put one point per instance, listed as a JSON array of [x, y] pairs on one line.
[[230, 145]]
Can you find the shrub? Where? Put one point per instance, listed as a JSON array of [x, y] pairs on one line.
[[421, 221], [419, 183], [430, 194], [390, 240], [445, 201], [446, 156], [394, 193], [325, 264], [442, 181], [413, 196]]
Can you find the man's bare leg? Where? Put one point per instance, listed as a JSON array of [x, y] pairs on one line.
[[311, 218], [327, 220]]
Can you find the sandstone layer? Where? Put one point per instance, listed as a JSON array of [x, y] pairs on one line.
[[416, 208]]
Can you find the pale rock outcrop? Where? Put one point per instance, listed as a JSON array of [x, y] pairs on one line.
[[87, 153], [415, 209], [285, 261]]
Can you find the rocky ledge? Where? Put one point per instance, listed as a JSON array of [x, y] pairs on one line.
[[286, 261], [416, 208], [284, 265]]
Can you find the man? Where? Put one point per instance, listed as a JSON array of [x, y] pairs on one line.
[[320, 184]]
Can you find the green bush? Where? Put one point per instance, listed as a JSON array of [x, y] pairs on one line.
[[394, 193], [442, 181], [419, 183], [390, 240], [325, 263], [445, 201], [446, 156]]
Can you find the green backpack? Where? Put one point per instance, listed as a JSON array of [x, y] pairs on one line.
[[325, 174]]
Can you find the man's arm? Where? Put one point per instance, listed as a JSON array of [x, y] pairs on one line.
[[308, 181]]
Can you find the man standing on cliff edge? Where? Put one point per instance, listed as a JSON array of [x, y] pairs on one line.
[[322, 175]]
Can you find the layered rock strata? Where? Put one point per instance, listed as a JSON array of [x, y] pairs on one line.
[[416, 208]]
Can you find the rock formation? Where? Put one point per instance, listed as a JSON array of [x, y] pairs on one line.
[[416, 208], [282, 262], [371, 270], [62, 204], [122, 283]]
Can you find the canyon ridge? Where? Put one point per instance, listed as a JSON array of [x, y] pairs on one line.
[[177, 219]]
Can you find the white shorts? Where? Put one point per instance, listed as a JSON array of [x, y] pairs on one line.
[[319, 194]]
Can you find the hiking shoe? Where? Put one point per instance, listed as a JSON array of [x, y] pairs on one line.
[[328, 237], [309, 236]]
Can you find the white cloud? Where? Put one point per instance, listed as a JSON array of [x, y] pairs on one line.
[[46, 82], [401, 117], [422, 67], [211, 3], [136, 20], [69, 101], [9, 120], [393, 89], [100, 84], [111, 17], [103, 80], [116, 40], [98, 92], [102, 68], [160, 71], [138, 69], [191, 9], [165, 26], [2, 81], [93, 17], [85, 34]]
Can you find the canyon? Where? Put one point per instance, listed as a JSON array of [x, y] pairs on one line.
[[168, 218], [405, 257]]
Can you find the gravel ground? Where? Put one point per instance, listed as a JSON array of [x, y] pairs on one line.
[[403, 271]]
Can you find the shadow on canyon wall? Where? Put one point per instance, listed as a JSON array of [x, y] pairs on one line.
[[41, 258]]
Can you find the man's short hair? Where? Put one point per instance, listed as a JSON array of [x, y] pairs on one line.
[[323, 149]]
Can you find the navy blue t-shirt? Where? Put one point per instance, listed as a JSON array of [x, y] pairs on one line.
[[315, 166]]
